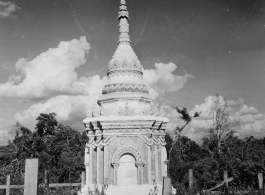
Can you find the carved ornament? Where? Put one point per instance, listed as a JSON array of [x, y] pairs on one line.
[[128, 142], [157, 140], [124, 150], [125, 73], [125, 111], [125, 64], [125, 87]]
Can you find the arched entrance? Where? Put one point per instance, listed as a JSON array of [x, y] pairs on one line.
[[127, 171], [128, 167]]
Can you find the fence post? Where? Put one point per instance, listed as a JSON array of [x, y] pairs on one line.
[[226, 181], [31, 177], [260, 177], [190, 178], [167, 187], [83, 179], [46, 178], [8, 185]]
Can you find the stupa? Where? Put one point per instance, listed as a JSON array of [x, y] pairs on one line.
[[126, 127]]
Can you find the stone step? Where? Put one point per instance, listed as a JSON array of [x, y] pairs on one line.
[[132, 190]]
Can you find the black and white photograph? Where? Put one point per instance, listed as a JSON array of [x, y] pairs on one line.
[[132, 97]]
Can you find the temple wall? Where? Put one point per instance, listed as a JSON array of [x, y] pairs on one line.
[[100, 170], [111, 151], [125, 79], [145, 149], [94, 164], [152, 162], [138, 105], [126, 127], [149, 161], [151, 157], [159, 164]]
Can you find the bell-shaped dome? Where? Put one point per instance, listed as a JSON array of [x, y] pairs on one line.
[[125, 72]]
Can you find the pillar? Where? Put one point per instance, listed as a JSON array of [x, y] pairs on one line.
[[106, 161], [94, 165], [149, 165], [100, 164], [164, 161], [160, 164], [90, 181], [156, 164], [115, 174], [140, 177], [87, 164], [153, 163]]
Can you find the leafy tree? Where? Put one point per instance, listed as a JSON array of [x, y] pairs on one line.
[[221, 126], [172, 142], [46, 124], [184, 155], [60, 150]]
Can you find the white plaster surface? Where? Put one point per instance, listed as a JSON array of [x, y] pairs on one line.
[[125, 79], [124, 190], [132, 190], [124, 52], [125, 118], [127, 171]]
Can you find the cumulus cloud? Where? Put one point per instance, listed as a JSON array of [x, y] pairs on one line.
[[49, 74], [162, 79], [256, 128], [251, 120], [206, 109], [7, 8], [68, 109], [174, 119], [233, 103], [195, 130], [4, 136], [245, 110], [73, 108]]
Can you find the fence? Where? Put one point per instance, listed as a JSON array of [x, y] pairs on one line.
[[31, 180], [224, 183]]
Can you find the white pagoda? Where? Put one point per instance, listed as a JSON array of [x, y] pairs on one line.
[[126, 128]]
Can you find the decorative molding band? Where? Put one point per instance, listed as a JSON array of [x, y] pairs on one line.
[[135, 64], [128, 142], [117, 155], [99, 141], [127, 126], [125, 73], [159, 130], [124, 87], [128, 131], [125, 111], [157, 140], [151, 110]]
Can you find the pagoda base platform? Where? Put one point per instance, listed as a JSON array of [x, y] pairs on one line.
[[133, 190], [126, 190]]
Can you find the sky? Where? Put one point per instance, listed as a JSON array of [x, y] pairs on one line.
[[54, 56]]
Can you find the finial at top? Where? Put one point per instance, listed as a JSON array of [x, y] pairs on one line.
[[123, 16]]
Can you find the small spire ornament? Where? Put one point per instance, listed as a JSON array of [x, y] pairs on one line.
[[123, 16]]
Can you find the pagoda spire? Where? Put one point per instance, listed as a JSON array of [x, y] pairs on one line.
[[123, 16]]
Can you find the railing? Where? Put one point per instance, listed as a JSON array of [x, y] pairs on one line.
[[31, 180]]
